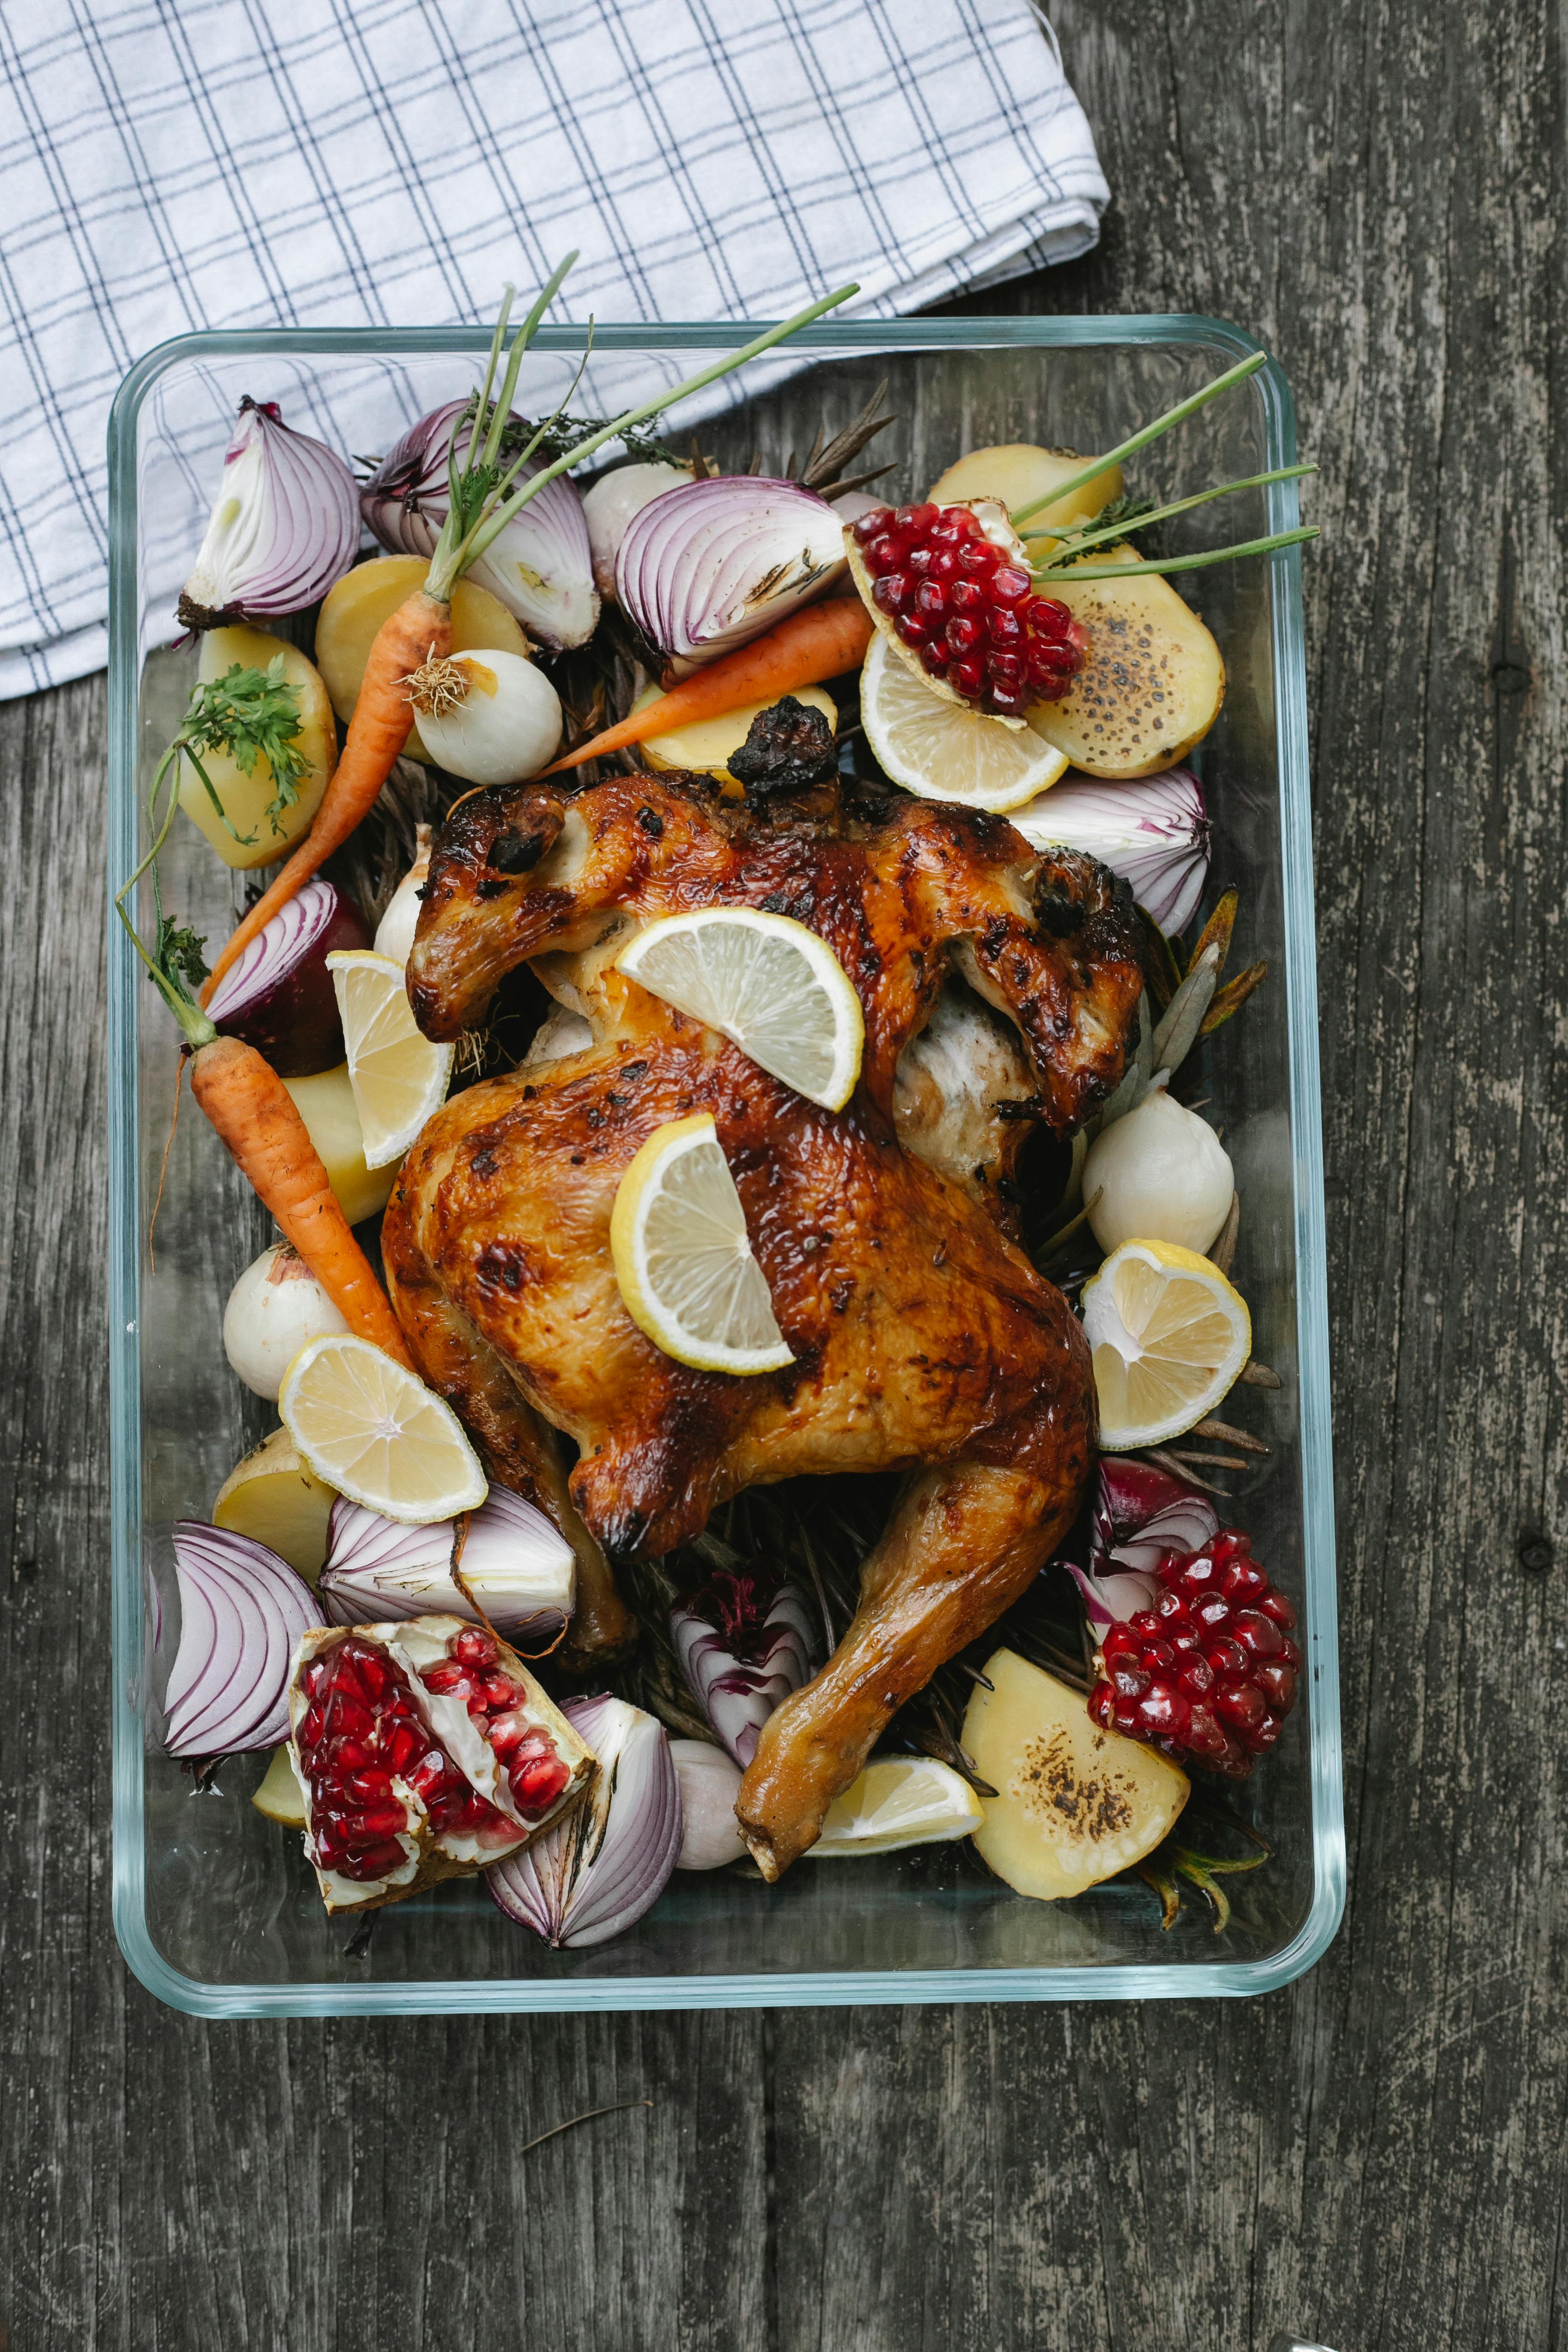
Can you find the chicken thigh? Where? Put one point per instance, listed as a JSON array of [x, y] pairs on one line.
[[921, 1335]]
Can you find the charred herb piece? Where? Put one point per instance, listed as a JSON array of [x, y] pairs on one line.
[[788, 747]]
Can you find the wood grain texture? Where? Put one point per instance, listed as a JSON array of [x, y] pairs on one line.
[[1375, 2157]]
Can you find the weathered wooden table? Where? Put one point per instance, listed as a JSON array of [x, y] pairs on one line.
[[1374, 2157]]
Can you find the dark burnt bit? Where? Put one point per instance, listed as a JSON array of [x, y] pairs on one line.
[[517, 852], [651, 823], [502, 1265], [484, 1164], [788, 748]]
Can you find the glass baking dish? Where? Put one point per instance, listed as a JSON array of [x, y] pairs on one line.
[[214, 1910]]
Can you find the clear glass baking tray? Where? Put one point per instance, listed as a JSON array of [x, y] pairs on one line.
[[214, 1909]]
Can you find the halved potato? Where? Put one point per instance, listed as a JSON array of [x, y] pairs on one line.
[[1074, 1804], [280, 1796], [1019, 473], [363, 599], [1154, 680], [245, 797], [274, 1497], [326, 1104], [704, 748]]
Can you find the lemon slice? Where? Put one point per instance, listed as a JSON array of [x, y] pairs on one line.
[[899, 1801], [944, 753], [766, 983], [372, 1429], [677, 1238], [398, 1077], [1169, 1336]]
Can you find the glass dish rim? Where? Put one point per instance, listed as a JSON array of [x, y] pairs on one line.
[[457, 1997]]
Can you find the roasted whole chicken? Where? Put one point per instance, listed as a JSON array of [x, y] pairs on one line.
[[1000, 987]]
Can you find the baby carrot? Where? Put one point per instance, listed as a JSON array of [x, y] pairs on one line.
[[821, 641]]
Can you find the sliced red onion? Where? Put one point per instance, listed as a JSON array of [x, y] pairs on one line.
[[277, 995], [1153, 831], [242, 1610], [1140, 1516], [514, 1562], [284, 526], [741, 1663], [607, 1862], [708, 568], [540, 566]]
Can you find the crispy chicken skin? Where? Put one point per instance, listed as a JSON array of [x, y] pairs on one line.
[[922, 1337]]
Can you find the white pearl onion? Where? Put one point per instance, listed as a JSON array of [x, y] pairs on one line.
[[708, 1780], [275, 1307], [506, 727], [1162, 1174]]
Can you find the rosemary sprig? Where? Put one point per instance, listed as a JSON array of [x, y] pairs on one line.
[[1268, 546], [1072, 539]]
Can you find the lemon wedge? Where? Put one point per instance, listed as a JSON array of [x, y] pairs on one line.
[[943, 751], [899, 1801], [398, 1077], [764, 981], [373, 1431], [682, 1258], [1169, 1336]]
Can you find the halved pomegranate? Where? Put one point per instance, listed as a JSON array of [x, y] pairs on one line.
[[425, 1751], [951, 587]]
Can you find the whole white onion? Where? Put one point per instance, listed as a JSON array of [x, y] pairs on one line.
[[1162, 1174], [540, 566], [501, 722], [708, 568], [275, 1307], [708, 1783], [609, 504]]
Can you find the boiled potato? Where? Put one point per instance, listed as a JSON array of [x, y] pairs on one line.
[[1152, 683], [707, 745], [245, 797], [280, 1796], [1019, 473], [1074, 1804], [363, 599], [326, 1104], [274, 1497]]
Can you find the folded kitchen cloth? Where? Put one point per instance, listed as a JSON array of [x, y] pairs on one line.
[[364, 162]]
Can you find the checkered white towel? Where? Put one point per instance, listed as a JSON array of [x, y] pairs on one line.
[[168, 164]]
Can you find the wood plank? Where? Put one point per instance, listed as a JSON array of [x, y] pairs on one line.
[[1375, 2157]]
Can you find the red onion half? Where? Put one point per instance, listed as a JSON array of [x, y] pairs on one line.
[[242, 1609], [1152, 830], [284, 525], [743, 1655], [609, 1860], [540, 566], [1140, 1514], [708, 568], [279, 994], [514, 1562]]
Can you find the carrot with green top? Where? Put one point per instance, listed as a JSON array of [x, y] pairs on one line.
[[483, 501], [819, 642]]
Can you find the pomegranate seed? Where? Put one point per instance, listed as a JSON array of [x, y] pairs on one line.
[[537, 1781], [1103, 1705], [917, 521], [872, 523], [1008, 585], [507, 1732], [1226, 1657], [1230, 1543], [1277, 1681], [967, 678], [967, 595], [1004, 629], [1119, 1637], [370, 1788], [913, 630], [1274, 1604], [1292, 1656], [375, 1862], [978, 558], [1131, 1681], [1197, 1677], [1242, 1582], [374, 1822], [1258, 1635], [448, 1680], [429, 1772], [931, 600], [1240, 1704], [1144, 1624], [475, 1648], [892, 591], [314, 1675], [1165, 1713], [1006, 670], [1125, 1717], [886, 554], [963, 634], [1010, 702]]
